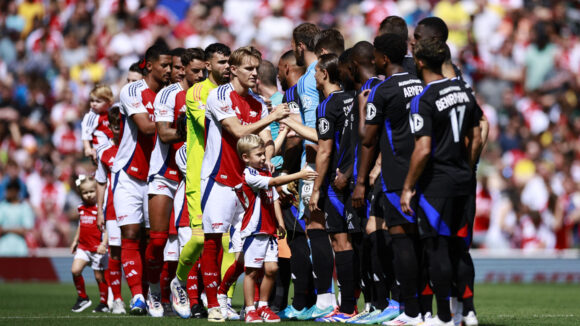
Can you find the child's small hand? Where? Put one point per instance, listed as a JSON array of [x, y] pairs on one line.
[[102, 249], [281, 232], [308, 174], [73, 247]]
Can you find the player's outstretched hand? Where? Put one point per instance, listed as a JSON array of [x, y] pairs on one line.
[[358, 195], [406, 197], [308, 174], [281, 111]]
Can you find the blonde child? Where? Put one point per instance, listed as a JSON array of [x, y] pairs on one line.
[[95, 124], [89, 247], [262, 219]]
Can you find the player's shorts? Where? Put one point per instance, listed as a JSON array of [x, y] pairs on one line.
[[98, 262], [220, 205], [338, 218], [162, 186], [258, 249], [114, 233], [183, 235], [373, 197], [236, 244], [292, 221], [443, 216], [465, 229], [390, 205], [130, 199], [171, 250]]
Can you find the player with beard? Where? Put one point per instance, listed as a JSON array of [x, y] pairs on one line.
[[131, 166], [388, 127], [216, 56], [445, 114], [232, 111], [163, 172]]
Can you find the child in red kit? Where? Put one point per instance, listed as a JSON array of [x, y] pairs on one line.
[[89, 247]]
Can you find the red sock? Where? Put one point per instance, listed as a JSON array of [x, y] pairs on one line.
[[142, 250], [132, 265], [167, 274], [103, 291], [193, 284], [211, 270], [80, 285], [114, 281], [259, 278], [154, 255], [232, 274]]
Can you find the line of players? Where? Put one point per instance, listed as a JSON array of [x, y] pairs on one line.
[[396, 227]]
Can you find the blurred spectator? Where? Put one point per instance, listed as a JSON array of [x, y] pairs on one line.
[[16, 220], [521, 57]]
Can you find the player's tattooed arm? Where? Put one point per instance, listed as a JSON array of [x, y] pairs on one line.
[[167, 133], [235, 128], [474, 145]]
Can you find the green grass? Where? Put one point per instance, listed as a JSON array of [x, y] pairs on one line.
[[502, 304]]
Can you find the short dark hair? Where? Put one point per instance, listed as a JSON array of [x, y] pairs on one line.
[[437, 26], [217, 48], [177, 52], [267, 73], [288, 55], [395, 25], [114, 115], [345, 56], [362, 52], [432, 51], [329, 39], [192, 54], [393, 46], [305, 33], [155, 51], [329, 62]]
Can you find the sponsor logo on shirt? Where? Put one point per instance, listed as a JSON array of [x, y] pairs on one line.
[[216, 226]]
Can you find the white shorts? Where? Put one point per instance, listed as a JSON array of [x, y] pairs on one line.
[[171, 250], [130, 199], [221, 207], [236, 244], [258, 249], [183, 235], [114, 233], [97, 261], [162, 186]]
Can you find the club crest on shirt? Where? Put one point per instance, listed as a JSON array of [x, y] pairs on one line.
[[416, 122], [323, 126], [371, 111]]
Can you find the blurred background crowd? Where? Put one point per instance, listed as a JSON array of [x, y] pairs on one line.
[[521, 56]]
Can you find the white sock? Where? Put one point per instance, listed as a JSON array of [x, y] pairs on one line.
[[250, 308], [262, 304], [182, 283], [324, 300]]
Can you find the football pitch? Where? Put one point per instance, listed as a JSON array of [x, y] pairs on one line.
[[497, 304]]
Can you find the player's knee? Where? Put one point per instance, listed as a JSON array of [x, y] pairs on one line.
[[130, 231], [270, 269], [99, 276], [115, 252]]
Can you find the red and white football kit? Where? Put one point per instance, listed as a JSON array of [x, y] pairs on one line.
[[106, 156], [131, 166], [221, 169], [163, 173], [259, 224], [95, 128], [90, 238]]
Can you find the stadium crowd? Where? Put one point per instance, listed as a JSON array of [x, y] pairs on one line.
[[521, 57]]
